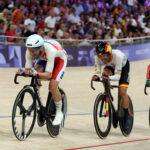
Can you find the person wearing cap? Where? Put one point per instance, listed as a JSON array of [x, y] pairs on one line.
[[117, 68]]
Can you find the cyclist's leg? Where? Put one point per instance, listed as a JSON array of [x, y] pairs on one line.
[[123, 86], [124, 97], [57, 75]]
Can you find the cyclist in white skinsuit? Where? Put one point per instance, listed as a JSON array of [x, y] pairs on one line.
[[51, 64], [117, 66]]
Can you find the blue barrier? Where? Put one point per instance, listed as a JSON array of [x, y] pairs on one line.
[[14, 56]]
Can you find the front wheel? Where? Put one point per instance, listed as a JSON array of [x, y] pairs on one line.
[[121, 120], [102, 122], [24, 114]]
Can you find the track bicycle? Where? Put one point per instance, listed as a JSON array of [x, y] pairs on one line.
[[28, 104], [105, 114], [147, 94]]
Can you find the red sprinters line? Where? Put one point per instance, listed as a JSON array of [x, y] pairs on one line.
[[109, 144]]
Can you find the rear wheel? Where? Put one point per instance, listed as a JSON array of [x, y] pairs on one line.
[[121, 117], [55, 130], [102, 122], [24, 113]]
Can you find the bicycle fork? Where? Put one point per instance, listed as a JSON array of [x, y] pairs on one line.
[[107, 106], [104, 108]]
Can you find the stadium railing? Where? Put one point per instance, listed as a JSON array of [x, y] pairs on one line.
[[79, 43]]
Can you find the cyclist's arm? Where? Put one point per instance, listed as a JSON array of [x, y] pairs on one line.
[[97, 67], [118, 69], [29, 60], [50, 54]]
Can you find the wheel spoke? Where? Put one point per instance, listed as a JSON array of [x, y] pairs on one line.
[[30, 109], [23, 124], [22, 108]]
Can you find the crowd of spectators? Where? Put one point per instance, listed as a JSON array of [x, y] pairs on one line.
[[75, 19]]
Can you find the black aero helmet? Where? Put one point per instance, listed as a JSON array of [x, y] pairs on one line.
[[103, 48]]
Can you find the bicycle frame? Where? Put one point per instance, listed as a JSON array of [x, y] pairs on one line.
[[107, 91], [33, 84]]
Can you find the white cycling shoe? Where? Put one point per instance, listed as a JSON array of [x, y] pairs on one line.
[[58, 118]]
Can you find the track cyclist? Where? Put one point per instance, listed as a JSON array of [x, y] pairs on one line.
[[50, 63], [114, 65]]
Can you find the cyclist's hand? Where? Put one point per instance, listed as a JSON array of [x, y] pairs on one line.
[[33, 72], [20, 71], [105, 76], [95, 78]]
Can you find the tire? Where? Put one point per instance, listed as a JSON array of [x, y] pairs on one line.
[[24, 113], [102, 123], [55, 130], [121, 120]]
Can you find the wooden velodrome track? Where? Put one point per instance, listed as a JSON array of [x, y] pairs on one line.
[[79, 132]]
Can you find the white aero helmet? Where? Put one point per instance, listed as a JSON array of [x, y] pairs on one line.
[[34, 41]]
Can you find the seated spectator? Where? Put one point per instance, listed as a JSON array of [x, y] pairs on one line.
[[2, 5], [40, 19], [40, 32], [61, 31], [3, 15], [129, 39], [49, 35], [50, 21], [64, 10], [2, 30], [73, 17], [68, 39], [12, 31], [86, 41], [147, 29], [29, 25], [18, 15], [75, 39], [57, 11], [85, 7], [78, 7]]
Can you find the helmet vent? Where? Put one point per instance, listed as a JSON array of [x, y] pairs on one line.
[[37, 42]]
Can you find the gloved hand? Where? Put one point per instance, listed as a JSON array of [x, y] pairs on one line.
[[148, 83], [105, 76], [20, 71], [95, 78], [33, 72]]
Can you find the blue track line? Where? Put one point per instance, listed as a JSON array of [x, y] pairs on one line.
[[80, 114]]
